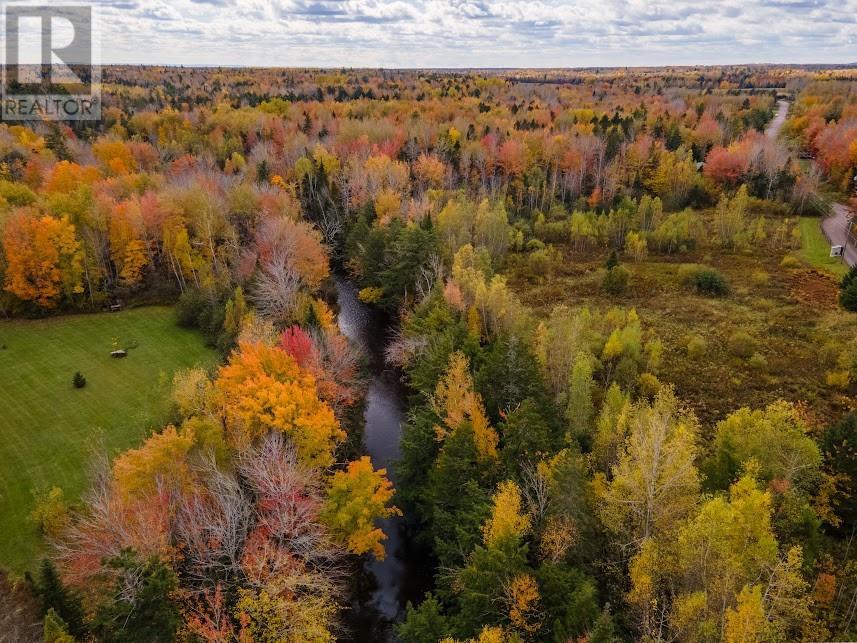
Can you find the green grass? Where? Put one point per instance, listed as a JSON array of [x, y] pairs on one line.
[[816, 248], [49, 430]]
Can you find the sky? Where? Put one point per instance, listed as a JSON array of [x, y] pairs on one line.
[[476, 33]]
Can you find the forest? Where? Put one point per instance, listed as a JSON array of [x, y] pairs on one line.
[[625, 364]]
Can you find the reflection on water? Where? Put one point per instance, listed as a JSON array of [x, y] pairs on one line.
[[384, 414]]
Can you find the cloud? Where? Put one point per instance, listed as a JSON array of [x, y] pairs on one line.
[[477, 33]]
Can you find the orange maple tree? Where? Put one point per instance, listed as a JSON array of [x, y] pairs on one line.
[[263, 389], [43, 257]]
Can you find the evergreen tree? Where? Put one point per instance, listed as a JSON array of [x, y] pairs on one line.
[[848, 290], [150, 615], [55, 629], [424, 624], [56, 597], [604, 630], [78, 381]]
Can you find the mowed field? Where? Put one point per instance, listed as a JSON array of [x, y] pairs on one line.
[[49, 430]]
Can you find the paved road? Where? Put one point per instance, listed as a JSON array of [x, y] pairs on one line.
[[776, 124], [835, 228]]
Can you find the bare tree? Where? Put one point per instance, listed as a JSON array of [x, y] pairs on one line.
[[288, 546], [807, 186], [771, 158], [105, 526], [535, 488], [212, 524], [430, 273], [402, 348], [276, 289]]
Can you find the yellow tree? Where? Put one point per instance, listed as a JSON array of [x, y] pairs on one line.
[[356, 499], [522, 598], [746, 622], [163, 457], [127, 247], [655, 484], [262, 389], [456, 401], [507, 519]]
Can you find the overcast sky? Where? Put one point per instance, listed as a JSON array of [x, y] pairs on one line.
[[477, 33]]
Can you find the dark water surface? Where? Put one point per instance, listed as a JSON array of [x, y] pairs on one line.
[[389, 583]]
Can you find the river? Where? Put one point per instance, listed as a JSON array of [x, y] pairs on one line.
[[394, 580]]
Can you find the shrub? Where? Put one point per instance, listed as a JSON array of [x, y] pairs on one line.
[[760, 278], [686, 271], [51, 512], [790, 262], [848, 297], [741, 344], [540, 262], [616, 280], [704, 279], [838, 379], [79, 381], [758, 362], [710, 282], [648, 385], [848, 293], [830, 352], [189, 307], [612, 260], [697, 347], [849, 278]]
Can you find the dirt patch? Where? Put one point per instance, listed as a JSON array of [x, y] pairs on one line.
[[814, 289]]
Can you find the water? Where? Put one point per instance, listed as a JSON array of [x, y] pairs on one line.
[[390, 580]]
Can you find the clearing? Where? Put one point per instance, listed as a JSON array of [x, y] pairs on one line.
[[49, 430], [792, 315]]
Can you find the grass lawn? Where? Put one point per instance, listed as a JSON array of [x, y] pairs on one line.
[[49, 429], [816, 247]]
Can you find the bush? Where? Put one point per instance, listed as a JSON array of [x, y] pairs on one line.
[[848, 292], [648, 385], [758, 362], [704, 279], [742, 345], [205, 311], [51, 512], [686, 271], [760, 278], [697, 347], [790, 262], [849, 278], [190, 306], [838, 379], [540, 263], [79, 381], [612, 260], [848, 297], [710, 282], [616, 280], [370, 295]]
